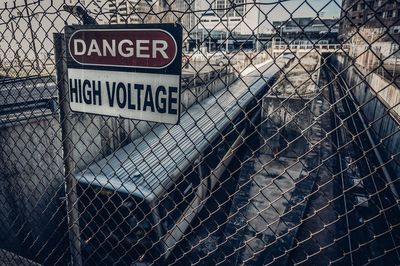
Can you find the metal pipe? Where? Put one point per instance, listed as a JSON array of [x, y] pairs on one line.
[[258, 28], [227, 28], [68, 147], [32, 35]]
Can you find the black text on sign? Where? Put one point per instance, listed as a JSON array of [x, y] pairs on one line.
[[133, 96]]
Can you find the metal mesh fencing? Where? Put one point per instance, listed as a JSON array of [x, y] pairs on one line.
[[286, 151]]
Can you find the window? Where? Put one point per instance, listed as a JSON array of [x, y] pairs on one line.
[[220, 6], [389, 14], [240, 8], [395, 29]]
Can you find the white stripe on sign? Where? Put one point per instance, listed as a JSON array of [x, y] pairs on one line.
[[142, 96]]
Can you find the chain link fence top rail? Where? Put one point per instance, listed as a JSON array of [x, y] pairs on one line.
[[286, 151]]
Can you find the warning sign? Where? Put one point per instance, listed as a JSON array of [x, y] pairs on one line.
[[130, 71]]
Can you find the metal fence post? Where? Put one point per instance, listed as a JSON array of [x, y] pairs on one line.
[[69, 163]]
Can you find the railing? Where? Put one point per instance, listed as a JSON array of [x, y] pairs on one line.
[[307, 47]]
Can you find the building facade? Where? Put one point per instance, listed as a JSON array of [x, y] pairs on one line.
[[184, 12], [121, 11], [128, 11], [378, 16], [236, 16], [305, 31], [306, 25]]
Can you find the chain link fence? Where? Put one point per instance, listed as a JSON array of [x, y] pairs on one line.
[[286, 151]]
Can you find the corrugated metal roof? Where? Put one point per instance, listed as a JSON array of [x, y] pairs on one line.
[[148, 166], [24, 90], [26, 99], [11, 259]]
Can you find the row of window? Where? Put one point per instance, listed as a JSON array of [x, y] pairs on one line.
[[376, 4], [219, 20], [386, 15], [222, 7]]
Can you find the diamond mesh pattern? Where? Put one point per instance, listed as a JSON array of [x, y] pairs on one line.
[[287, 150]]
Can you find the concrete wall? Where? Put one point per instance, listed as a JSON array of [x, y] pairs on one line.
[[31, 184], [285, 120], [32, 211], [286, 116], [294, 112], [379, 101], [196, 94], [96, 137]]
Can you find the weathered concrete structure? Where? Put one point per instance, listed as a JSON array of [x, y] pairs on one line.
[[287, 107], [32, 176], [380, 104], [371, 14]]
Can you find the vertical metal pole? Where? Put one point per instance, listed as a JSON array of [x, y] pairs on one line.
[[17, 53], [394, 68], [197, 35], [227, 32], [32, 35], [258, 28], [227, 27], [69, 163], [202, 38], [190, 27]]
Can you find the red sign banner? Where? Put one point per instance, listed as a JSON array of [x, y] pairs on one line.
[[137, 48]]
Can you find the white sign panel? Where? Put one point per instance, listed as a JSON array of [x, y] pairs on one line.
[[142, 96]]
